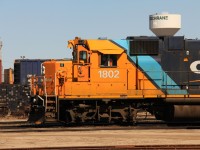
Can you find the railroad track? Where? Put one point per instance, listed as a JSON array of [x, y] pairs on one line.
[[23, 126], [52, 128], [120, 147]]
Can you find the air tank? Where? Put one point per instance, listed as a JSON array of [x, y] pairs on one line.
[[164, 24]]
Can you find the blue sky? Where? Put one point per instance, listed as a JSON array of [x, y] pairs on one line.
[[41, 28]]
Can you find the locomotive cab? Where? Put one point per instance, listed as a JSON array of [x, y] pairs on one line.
[[81, 63], [99, 65]]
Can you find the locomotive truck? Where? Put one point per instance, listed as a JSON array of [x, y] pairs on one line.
[[115, 80]]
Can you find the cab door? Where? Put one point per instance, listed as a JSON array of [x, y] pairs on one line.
[[81, 66]]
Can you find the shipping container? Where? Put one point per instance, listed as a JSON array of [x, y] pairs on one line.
[[24, 67], [8, 76]]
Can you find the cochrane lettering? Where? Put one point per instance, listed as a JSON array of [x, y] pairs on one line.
[[158, 17]]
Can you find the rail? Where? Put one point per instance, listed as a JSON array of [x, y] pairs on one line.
[[118, 147]]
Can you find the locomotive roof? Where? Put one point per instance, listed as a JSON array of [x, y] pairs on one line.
[[104, 46]]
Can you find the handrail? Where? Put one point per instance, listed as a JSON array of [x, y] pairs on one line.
[[45, 93], [41, 99]]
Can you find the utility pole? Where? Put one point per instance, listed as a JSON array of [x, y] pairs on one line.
[[1, 66]]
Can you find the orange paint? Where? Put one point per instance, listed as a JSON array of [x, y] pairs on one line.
[[86, 76]]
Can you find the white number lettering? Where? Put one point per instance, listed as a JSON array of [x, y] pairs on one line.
[[105, 74], [108, 74], [100, 74], [193, 67], [116, 72]]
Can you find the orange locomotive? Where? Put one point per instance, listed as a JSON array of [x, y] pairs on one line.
[[110, 81]]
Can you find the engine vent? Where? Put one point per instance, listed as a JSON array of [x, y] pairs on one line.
[[144, 47]]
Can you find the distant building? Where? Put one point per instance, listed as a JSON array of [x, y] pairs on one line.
[[8, 76]]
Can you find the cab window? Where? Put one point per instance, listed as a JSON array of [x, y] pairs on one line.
[[108, 60], [74, 53], [83, 56]]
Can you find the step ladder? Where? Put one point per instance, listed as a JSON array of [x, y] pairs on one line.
[[51, 108]]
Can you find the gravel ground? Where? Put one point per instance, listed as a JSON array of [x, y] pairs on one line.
[[99, 138]]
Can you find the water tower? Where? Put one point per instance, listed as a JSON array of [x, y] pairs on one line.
[[164, 24]]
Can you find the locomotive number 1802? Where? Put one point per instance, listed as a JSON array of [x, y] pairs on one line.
[[108, 73]]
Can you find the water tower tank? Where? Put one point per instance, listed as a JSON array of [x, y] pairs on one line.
[[164, 24]]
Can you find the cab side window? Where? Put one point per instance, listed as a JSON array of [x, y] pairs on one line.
[[108, 60], [83, 56], [74, 54]]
